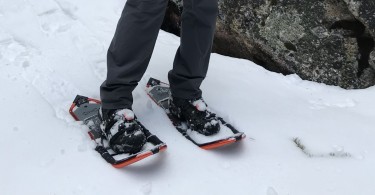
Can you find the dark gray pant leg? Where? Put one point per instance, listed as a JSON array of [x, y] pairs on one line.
[[192, 57], [130, 51]]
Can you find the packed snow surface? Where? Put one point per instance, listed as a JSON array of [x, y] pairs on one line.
[[303, 138]]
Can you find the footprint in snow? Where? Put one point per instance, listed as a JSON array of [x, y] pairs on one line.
[[27, 62], [54, 21], [54, 16], [13, 52]]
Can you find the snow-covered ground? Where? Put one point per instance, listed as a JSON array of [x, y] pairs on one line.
[[51, 50]]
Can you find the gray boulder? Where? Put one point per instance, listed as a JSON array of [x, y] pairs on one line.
[[372, 59], [327, 41]]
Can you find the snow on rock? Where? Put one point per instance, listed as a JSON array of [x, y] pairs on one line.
[[52, 50]]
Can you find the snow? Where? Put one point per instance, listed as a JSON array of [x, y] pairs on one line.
[[200, 105], [126, 114], [52, 50]]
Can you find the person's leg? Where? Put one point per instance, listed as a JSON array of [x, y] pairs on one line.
[[192, 57], [130, 51]]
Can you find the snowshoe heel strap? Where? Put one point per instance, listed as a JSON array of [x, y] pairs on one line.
[[104, 153]]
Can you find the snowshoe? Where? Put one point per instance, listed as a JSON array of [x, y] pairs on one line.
[[87, 110], [205, 138]]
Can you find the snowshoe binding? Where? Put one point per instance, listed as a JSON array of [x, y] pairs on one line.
[[123, 131], [196, 115]]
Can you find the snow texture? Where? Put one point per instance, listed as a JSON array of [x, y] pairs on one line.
[[298, 131]]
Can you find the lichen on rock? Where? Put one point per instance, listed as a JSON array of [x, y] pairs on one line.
[[283, 30]]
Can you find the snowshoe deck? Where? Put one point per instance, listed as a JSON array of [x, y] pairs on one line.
[[159, 93], [86, 110]]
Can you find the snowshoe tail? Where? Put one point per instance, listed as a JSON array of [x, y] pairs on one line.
[[86, 110]]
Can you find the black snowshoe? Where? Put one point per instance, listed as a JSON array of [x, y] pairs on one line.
[[192, 118], [119, 137]]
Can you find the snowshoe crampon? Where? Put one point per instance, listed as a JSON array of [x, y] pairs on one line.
[[86, 110], [159, 93]]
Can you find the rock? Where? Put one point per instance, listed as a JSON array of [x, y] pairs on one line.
[[172, 18], [372, 59], [327, 41], [364, 11]]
